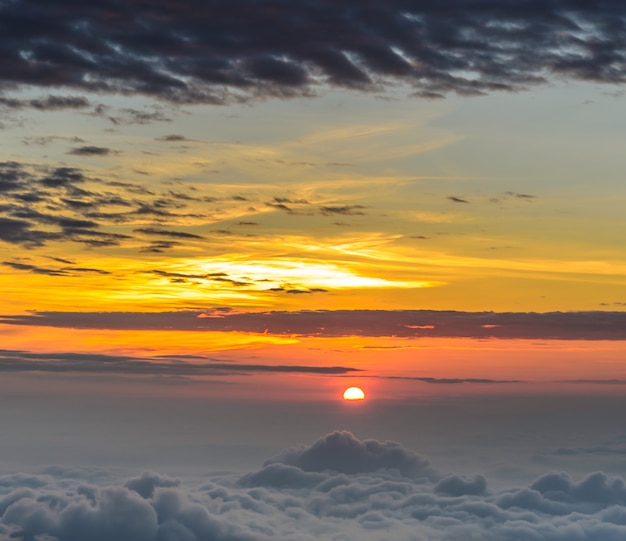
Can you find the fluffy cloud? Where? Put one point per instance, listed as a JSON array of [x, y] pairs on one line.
[[215, 52], [341, 452], [283, 501]]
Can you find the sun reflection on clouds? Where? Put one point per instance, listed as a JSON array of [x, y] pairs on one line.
[[281, 273]]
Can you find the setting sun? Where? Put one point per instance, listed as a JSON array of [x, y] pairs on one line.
[[353, 393]]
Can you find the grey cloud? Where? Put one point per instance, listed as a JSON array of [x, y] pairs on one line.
[[47, 139], [216, 52], [521, 195], [167, 233], [34, 269], [49, 103], [61, 260], [148, 482], [400, 323], [159, 247], [68, 362], [455, 199], [342, 452], [130, 116], [90, 151], [302, 291], [347, 210], [21, 232], [286, 502], [63, 176], [173, 138], [81, 207], [455, 485], [454, 381]]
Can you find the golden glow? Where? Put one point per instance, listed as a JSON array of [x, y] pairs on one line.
[[353, 393]]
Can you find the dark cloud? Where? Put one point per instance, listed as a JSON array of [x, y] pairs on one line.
[[167, 233], [92, 363], [44, 140], [159, 247], [49, 103], [41, 204], [521, 195], [90, 151], [216, 52], [399, 323], [130, 116], [34, 269], [290, 502], [61, 260], [21, 232], [455, 381], [455, 199], [173, 138], [347, 210], [303, 291], [63, 176]]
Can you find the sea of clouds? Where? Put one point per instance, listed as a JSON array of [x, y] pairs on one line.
[[338, 488]]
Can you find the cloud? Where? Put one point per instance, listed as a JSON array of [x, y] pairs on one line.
[[167, 233], [40, 204], [346, 210], [90, 151], [455, 381], [455, 199], [34, 269], [342, 452], [159, 247], [21, 232], [49, 103], [94, 363], [173, 138], [399, 323], [215, 52], [129, 116], [287, 502], [454, 485]]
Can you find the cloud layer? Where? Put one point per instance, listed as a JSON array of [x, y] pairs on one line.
[[215, 51], [292, 503], [398, 323]]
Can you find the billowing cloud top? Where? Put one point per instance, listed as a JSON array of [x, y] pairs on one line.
[[341, 452], [217, 51]]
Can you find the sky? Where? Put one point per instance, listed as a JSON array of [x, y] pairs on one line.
[[216, 215]]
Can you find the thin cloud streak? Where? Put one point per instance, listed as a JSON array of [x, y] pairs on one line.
[[93, 363]]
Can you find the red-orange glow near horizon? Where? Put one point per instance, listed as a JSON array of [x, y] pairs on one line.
[[353, 393]]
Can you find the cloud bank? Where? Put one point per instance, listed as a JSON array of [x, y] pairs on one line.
[[292, 503], [218, 52], [398, 323]]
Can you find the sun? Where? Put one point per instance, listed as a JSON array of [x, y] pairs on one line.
[[353, 393]]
